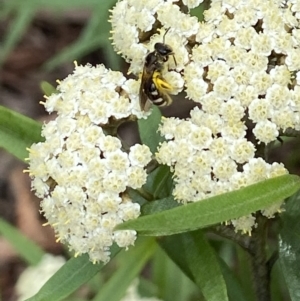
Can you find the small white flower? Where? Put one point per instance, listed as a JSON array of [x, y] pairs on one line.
[[246, 17], [196, 89], [293, 59], [166, 153], [217, 69], [224, 168], [214, 13], [232, 110], [137, 177], [233, 130], [125, 238], [261, 81], [139, 155], [278, 96], [260, 110], [244, 224], [200, 137], [170, 16], [262, 44], [256, 169], [281, 75], [219, 147], [283, 42], [225, 87], [272, 210], [218, 46], [205, 32], [244, 37], [241, 76], [286, 118], [265, 131], [245, 95], [242, 150], [256, 62]]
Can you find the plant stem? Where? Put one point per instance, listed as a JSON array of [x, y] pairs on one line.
[[260, 265], [255, 245]]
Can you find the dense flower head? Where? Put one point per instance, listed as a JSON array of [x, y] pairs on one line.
[[206, 162], [79, 95], [241, 67], [203, 152], [80, 171], [246, 53]]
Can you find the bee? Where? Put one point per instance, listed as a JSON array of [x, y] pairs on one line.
[[154, 88]]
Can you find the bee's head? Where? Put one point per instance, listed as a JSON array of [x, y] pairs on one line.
[[163, 49]]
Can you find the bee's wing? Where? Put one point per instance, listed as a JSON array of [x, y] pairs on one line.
[[146, 81]]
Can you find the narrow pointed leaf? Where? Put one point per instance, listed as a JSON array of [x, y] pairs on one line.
[[234, 288], [163, 183], [171, 282], [17, 132], [159, 182], [289, 246], [216, 209], [19, 25], [69, 277], [26, 248], [194, 255]]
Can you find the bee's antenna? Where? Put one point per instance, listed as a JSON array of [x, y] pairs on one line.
[[165, 34]]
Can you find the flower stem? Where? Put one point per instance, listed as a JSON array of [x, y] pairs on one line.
[[255, 245], [260, 265]]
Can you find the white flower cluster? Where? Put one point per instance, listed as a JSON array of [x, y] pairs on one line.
[[34, 277], [242, 65], [208, 157], [80, 172], [131, 18], [246, 53], [95, 93]]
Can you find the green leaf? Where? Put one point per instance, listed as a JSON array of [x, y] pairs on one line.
[[26, 248], [133, 263], [47, 88], [23, 18], [148, 129], [70, 277], [289, 246], [244, 273], [159, 205], [171, 282], [194, 255], [18, 132], [216, 209], [159, 182], [234, 288]]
